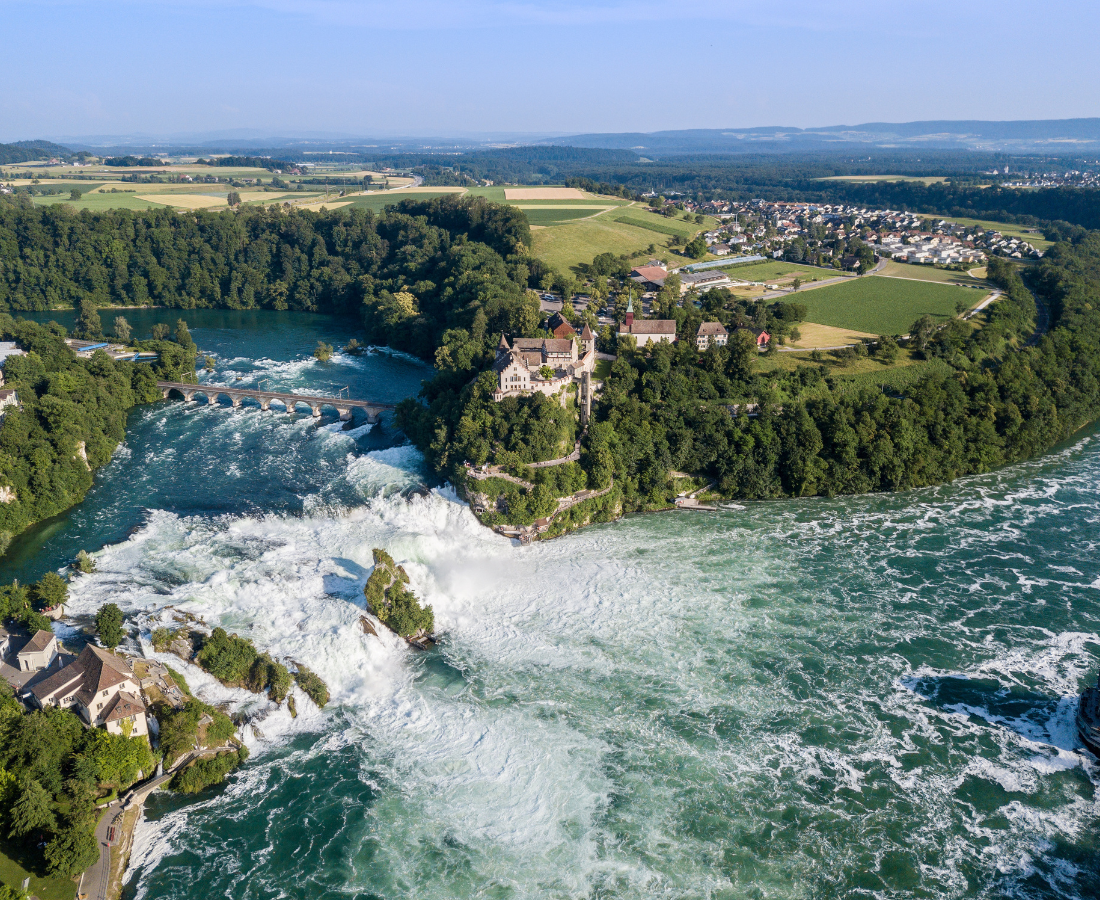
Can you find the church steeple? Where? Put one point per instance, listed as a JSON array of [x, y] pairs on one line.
[[629, 307]]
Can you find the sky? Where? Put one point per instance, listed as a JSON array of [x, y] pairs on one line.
[[71, 68]]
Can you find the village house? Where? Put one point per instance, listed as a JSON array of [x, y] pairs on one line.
[[761, 337], [101, 688], [711, 332], [521, 367], [647, 331], [39, 652]]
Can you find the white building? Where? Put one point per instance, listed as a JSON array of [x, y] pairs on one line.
[[39, 652], [522, 367], [101, 688]]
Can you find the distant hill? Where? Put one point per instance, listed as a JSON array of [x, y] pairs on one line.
[[26, 151], [1046, 137]]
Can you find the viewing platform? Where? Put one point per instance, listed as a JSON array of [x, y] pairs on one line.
[[344, 407]]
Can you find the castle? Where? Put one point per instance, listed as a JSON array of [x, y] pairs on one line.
[[522, 367]]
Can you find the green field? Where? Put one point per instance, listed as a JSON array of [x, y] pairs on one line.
[[581, 240], [883, 305], [559, 216], [100, 202], [869, 179], [776, 269], [677, 226]]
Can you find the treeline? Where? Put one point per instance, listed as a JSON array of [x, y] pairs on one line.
[[70, 417], [246, 162], [28, 151], [53, 771], [261, 257], [127, 162]]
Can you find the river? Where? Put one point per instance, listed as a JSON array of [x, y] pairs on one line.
[[861, 697]]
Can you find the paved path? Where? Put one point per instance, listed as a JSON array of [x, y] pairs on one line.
[[572, 457]]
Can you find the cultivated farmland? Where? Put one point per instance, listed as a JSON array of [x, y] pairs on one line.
[[883, 305]]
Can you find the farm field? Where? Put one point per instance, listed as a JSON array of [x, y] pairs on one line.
[[894, 269], [515, 194], [814, 335], [379, 200], [581, 240], [883, 305], [678, 226], [100, 202], [558, 215], [778, 271]]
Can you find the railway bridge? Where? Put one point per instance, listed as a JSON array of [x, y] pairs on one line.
[[344, 407]]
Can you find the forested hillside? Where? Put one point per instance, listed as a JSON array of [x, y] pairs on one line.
[[70, 418]]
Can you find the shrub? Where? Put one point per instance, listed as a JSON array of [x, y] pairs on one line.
[[207, 772]]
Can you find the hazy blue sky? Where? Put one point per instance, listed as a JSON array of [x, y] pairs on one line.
[[437, 67]]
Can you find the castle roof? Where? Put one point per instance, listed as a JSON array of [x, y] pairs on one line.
[[586, 334], [503, 345]]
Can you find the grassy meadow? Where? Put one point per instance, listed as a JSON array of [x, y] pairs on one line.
[[777, 271], [879, 305]]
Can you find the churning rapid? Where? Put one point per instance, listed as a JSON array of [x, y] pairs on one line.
[[860, 697]]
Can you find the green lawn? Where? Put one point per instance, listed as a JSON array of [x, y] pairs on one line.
[[45, 887], [602, 370], [882, 305]]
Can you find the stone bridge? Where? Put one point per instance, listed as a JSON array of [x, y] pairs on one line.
[[213, 391]]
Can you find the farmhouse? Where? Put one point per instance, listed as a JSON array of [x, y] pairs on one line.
[[647, 331], [711, 333], [101, 688], [761, 337], [542, 365]]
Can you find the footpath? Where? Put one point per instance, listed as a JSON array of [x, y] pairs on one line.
[[97, 882]]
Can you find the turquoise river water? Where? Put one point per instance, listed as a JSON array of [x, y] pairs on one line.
[[866, 697]]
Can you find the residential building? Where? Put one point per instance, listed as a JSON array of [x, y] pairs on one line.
[[39, 652], [647, 331], [101, 688], [711, 332]]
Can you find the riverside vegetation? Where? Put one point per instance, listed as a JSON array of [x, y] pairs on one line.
[[391, 600], [443, 278]]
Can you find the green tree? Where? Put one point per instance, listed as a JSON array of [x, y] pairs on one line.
[[50, 591], [183, 335], [74, 194], [122, 329], [159, 332], [696, 247], [32, 812], [234, 199], [108, 625], [323, 352], [84, 563], [88, 324], [921, 331], [72, 850]]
